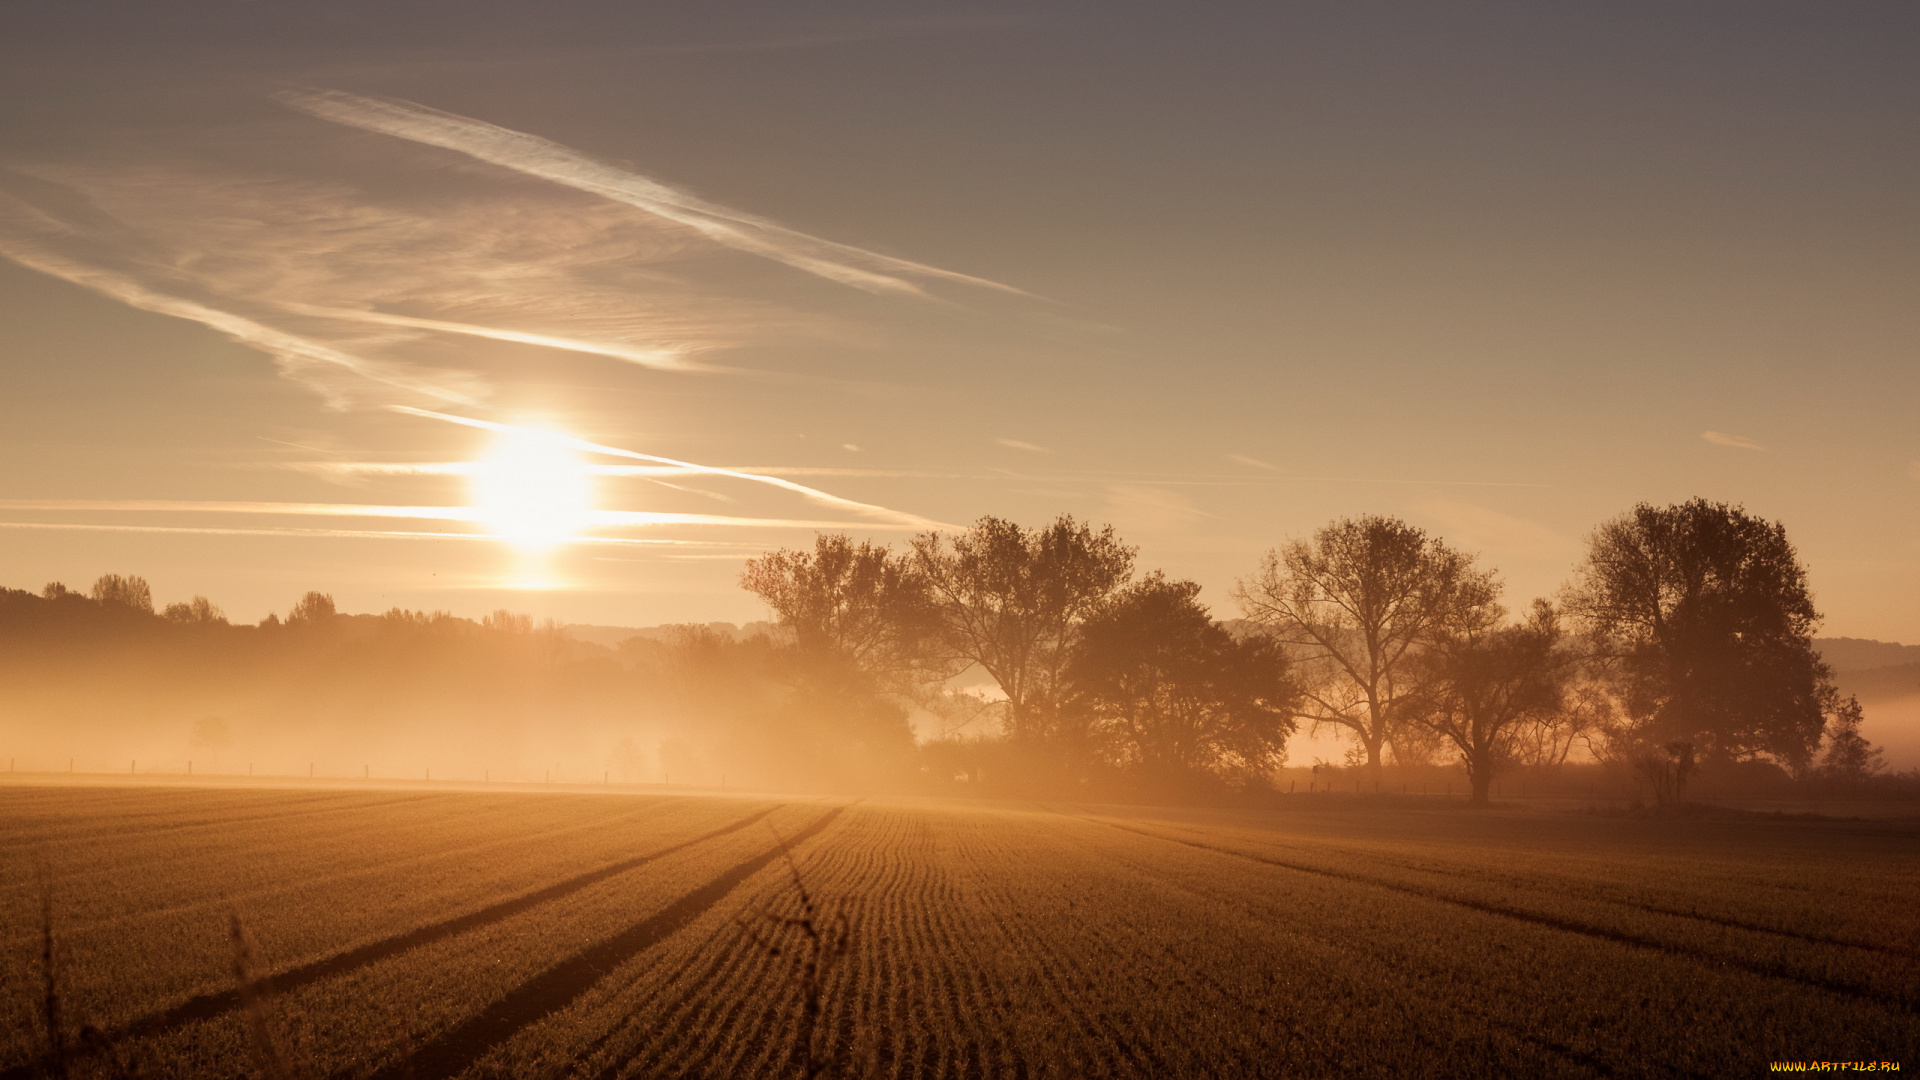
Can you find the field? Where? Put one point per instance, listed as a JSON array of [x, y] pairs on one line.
[[452, 933]]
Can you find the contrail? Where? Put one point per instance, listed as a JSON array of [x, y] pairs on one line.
[[332, 534], [548, 160], [882, 513], [664, 359], [293, 354], [605, 518]]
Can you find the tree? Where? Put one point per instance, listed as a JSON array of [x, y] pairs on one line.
[[1702, 628], [1355, 606], [213, 733], [857, 607], [129, 591], [1012, 599], [315, 607], [200, 612], [1850, 758], [1173, 695], [1484, 689]]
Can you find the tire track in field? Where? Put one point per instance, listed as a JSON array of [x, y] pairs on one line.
[[564, 983], [204, 1007], [1553, 922], [690, 1025], [1652, 909]]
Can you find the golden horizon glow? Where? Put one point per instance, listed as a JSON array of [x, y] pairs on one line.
[[532, 490]]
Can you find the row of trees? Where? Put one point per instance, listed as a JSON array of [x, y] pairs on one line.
[[1685, 635]]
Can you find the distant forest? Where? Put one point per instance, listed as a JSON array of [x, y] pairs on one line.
[[1004, 659]]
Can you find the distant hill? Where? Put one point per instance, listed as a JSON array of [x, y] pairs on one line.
[[1862, 654]]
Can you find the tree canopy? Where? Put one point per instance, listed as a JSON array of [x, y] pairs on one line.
[[1355, 605], [1171, 694], [1702, 625]]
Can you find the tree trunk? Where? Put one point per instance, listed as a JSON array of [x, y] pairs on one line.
[[1482, 780]]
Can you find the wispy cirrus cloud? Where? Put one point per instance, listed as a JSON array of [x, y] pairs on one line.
[[1018, 444], [535, 156], [28, 237], [1252, 462], [360, 272], [1737, 442]]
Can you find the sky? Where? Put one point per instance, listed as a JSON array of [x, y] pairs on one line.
[[275, 276]]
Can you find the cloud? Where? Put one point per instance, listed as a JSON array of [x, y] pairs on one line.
[[365, 269], [1738, 442], [1478, 528], [666, 358], [600, 518], [308, 361], [1252, 463], [535, 156], [1149, 508], [1016, 444]]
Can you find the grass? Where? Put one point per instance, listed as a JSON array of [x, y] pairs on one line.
[[288, 933]]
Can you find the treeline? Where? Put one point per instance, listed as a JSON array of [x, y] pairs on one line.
[[1004, 659], [1683, 640]]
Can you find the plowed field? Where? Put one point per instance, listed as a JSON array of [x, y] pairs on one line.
[[457, 933]]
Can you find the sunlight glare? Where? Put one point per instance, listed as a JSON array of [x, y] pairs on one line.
[[532, 490]]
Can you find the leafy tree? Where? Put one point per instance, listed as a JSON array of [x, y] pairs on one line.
[[1172, 694], [857, 607], [129, 591], [1485, 689], [1702, 627], [1012, 599], [200, 612], [212, 733], [1355, 606], [315, 607], [1850, 758]]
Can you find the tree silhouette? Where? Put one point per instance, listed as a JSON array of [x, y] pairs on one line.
[[1012, 599], [315, 607], [199, 612], [1850, 758], [1355, 606], [1703, 631], [129, 591], [1171, 694], [853, 607], [1484, 688]]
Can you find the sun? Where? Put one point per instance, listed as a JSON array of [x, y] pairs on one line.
[[532, 490]]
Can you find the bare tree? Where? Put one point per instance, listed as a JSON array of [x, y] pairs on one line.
[[1011, 599], [1484, 690], [1355, 606]]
